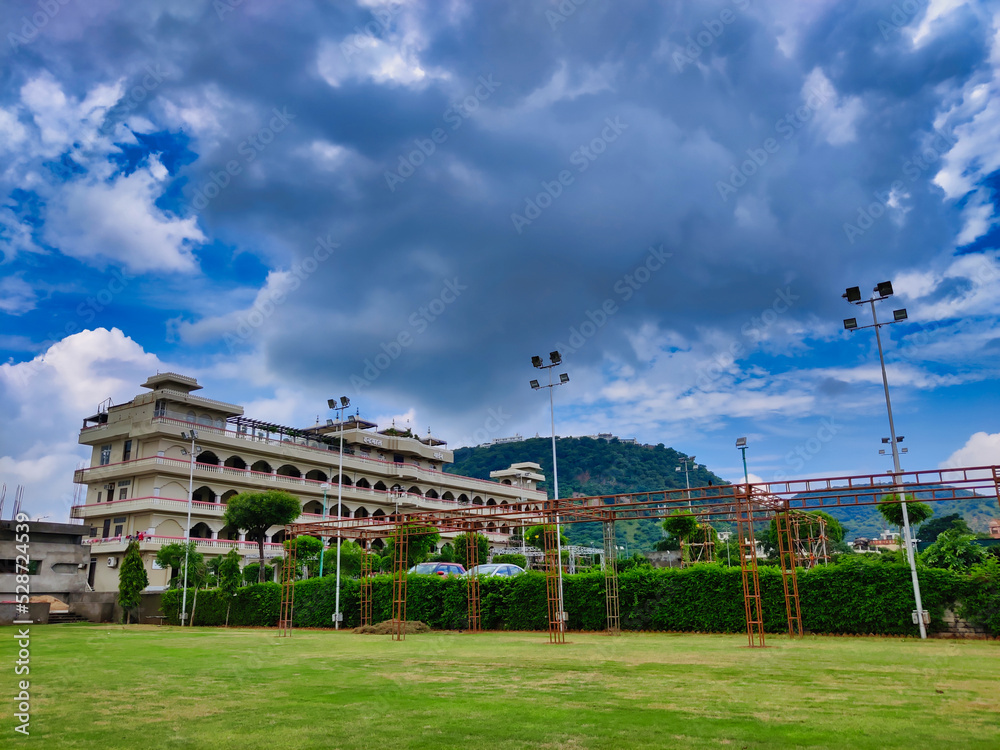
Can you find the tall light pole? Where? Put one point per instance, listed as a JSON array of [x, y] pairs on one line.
[[555, 360], [741, 443], [881, 292], [192, 436], [344, 403], [687, 461]]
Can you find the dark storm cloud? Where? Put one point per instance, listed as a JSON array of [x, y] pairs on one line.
[[683, 129]]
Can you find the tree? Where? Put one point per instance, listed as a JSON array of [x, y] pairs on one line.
[[420, 540], [535, 536], [307, 551], [171, 557], [681, 526], [445, 554], [892, 510], [351, 556], [835, 530], [930, 530], [251, 573], [132, 579], [256, 512], [229, 578], [953, 550], [460, 552]]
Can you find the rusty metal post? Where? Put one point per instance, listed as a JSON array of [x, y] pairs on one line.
[[287, 587], [472, 581], [399, 580], [611, 579], [748, 567]]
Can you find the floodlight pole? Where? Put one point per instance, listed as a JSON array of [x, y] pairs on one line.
[[344, 403], [187, 532], [555, 360], [907, 536], [322, 539]]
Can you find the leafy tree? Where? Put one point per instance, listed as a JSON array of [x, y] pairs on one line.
[[892, 510], [256, 512], [351, 555], [681, 526], [171, 557], [445, 554], [229, 577], [461, 552], [132, 579], [251, 573], [932, 529], [420, 540], [307, 551], [953, 550], [512, 559], [535, 536]]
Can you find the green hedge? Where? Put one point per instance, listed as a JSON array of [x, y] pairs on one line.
[[851, 598]]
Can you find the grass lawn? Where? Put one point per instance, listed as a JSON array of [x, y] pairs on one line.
[[147, 687]]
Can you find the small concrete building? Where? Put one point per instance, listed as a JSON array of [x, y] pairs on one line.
[[58, 561]]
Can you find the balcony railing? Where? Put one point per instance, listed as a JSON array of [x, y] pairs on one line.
[[272, 548], [312, 445], [179, 465]]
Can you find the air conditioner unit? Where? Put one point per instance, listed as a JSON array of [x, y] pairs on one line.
[[112, 562]]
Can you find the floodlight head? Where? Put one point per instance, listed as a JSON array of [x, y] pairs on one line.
[[899, 438], [184, 436], [184, 451], [885, 440], [850, 324], [556, 357], [904, 450], [345, 401], [534, 384], [194, 434], [741, 442], [536, 361], [677, 468], [331, 403], [691, 459], [564, 378], [853, 294], [884, 289], [881, 451], [899, 314]]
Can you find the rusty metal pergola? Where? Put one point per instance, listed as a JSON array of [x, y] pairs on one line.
[[801, 538]]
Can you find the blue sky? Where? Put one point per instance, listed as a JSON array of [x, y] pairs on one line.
[[403, 202]]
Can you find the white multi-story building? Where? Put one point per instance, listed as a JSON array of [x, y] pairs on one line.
[[138, 479]]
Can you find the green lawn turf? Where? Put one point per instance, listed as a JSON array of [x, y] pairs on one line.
[[147, 687]]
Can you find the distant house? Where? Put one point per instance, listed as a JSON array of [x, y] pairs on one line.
[[995, 528]]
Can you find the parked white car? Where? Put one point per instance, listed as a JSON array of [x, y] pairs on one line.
[[502, 570]]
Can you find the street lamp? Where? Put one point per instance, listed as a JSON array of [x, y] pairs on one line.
[[344, 403], [195, 450], [555, 358], [322, 552], [741, 444], [881, 292]]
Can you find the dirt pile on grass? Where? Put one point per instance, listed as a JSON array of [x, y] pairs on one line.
[[389, 627]]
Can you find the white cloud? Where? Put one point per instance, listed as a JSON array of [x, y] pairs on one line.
[[44, 401], [982, 449], [836, 117], [16, 296], [94, 220]]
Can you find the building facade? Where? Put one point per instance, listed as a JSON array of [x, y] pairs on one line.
[[138, 480]]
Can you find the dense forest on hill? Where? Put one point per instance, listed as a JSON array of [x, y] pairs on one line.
[[592, 467], [598, 467]]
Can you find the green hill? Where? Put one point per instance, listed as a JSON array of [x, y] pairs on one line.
[[592, 467]]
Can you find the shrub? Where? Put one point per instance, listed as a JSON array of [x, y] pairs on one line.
[[520, 560]]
